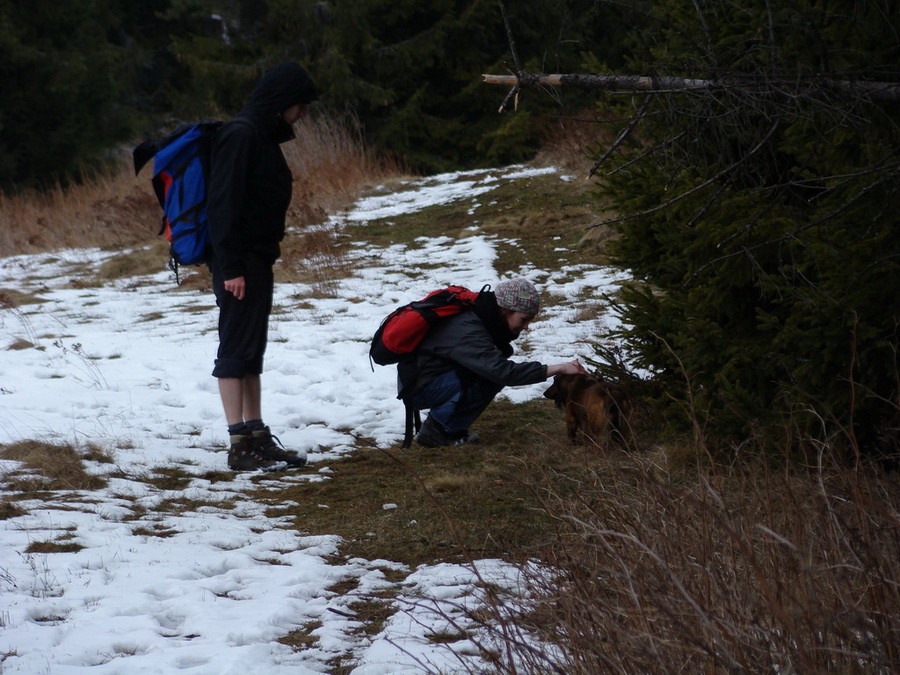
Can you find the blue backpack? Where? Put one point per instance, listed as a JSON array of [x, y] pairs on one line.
[[180, 174]]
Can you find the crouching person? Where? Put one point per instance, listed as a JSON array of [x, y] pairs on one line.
[[463, 363]]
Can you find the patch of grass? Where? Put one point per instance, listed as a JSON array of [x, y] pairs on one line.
[[94, 453], [341, 665], [11, 298], [344, 587], [136, 262], [53, 547], [393, 575], [9, 510], [20, 344], [156, 530], [372, 613], [445, 638], [272, 561], [138, 511], [302, 638], [185, 505], [169, 478], [478, 498], [218, 476], [198, 309], [194, 278], [541, 213], [50, 468], [314, 255]]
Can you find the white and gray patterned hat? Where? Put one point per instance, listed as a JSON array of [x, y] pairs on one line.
[[518, 295]]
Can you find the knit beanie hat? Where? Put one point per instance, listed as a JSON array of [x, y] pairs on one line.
[[518, 295]]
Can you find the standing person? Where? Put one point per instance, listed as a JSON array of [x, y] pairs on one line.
[[463, 362], [248, 198]]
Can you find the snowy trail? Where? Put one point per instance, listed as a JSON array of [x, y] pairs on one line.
[[94, 366]]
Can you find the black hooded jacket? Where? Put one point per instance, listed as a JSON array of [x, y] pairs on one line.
[[250, 182]]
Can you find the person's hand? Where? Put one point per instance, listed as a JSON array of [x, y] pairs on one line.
[[237, 287], [572, 367]]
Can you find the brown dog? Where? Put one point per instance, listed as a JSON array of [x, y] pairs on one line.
[[594, 410]]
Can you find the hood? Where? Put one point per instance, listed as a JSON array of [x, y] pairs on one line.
[[285, 85], [488, 311]]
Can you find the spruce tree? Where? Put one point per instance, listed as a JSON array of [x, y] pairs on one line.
[[760, 218]]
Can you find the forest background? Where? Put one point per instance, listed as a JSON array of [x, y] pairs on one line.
[[758, 215], [78, 83]]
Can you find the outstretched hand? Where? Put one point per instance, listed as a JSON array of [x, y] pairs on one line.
[[572, 367]]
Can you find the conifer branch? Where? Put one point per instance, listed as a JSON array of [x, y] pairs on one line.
[[625, 133], [700, 186]]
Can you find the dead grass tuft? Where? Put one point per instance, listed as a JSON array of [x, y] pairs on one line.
[[53, 547], [11, 298], [157, 530], [314, 256], [567, 142], [144, 260], [303, 638], [331, 165], [49, 468], [8, 509], [19, 344], [169, 478]]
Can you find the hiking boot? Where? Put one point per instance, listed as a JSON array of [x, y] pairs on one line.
[[244, 456], [432, 435], [270, 447]]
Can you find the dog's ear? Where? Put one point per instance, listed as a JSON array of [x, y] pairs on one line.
[[557, 391], [560, 391]]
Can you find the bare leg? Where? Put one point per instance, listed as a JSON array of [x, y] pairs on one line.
[[252, 397], [231, 389], [241, 398]]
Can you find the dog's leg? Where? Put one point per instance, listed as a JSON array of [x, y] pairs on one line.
[[596, 422], [572, 422]]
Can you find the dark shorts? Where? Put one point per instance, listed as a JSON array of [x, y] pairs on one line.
[[243, 324]]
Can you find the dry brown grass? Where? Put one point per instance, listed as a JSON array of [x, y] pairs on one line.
[[112, 211], [726, 569], [331, 166], [569, 142], [48, 467]]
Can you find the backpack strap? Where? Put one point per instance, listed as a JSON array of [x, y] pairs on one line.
[[413, 424]]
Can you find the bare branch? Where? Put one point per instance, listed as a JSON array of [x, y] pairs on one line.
[[824, 88]]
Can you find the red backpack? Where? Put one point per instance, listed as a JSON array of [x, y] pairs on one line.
[[403, 329]]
